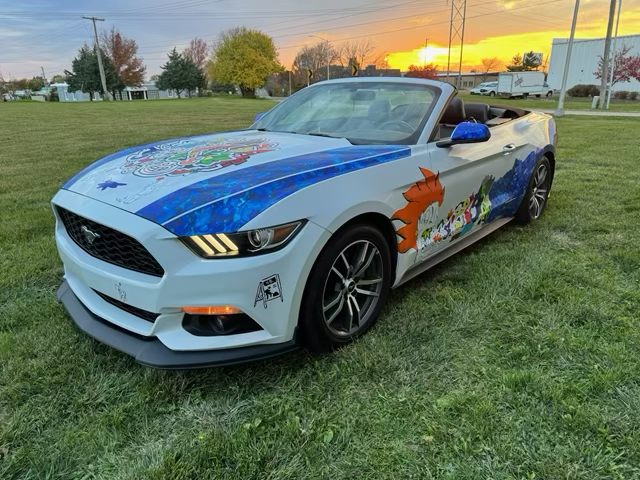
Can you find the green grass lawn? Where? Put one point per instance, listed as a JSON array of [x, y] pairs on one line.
[[551, 103], [516, 359]]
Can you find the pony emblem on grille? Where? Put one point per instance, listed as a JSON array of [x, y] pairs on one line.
[[89, 236]]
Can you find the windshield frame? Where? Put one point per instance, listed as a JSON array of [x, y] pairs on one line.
[[411, 139]]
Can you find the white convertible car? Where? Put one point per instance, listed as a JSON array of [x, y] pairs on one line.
[[227, 247]]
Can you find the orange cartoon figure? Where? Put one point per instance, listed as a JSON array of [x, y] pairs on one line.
[[420, 214]]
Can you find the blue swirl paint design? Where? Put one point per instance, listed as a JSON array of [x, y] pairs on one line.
[[507, 192], [202, 193], [470, 131], [230, 213]]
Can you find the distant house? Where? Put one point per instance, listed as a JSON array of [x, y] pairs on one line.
[[66, 96], [149, 90], [146, 91]]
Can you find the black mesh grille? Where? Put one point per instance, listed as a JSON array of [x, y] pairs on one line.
[[138, 312], [109, 245]]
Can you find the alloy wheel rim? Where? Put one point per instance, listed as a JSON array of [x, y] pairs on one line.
[[352, 288], [540, 191]]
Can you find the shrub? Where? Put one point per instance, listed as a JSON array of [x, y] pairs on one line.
[[621, 95], [582, 90], [633, 95]]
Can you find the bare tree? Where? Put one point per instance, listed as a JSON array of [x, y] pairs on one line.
[[8, 84], [489, 65], [357, 52], [380, 60], [197, 52], [315, 57]]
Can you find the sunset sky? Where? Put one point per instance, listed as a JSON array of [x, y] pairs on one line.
[[49, 33]]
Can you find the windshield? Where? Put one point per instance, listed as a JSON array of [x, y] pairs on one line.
[[361, 112]]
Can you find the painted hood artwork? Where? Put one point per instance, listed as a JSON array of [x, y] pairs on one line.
[[138, 176]]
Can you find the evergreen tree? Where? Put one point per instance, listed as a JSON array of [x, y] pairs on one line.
[[85, 74]]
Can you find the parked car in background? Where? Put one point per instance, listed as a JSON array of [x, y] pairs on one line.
[[547, 91], [486, 88], [521, 84], [227, 247]]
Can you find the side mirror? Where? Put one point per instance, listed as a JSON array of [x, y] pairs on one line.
[[466, 132], [258, 116]]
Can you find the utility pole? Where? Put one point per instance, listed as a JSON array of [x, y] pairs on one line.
[[44, 77], [99, 54], [328, 52], [456, 31], [605, 56], [289, 82], [613, 54], [424, 58], [559, 111]]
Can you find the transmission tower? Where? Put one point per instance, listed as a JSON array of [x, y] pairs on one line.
[[456, 32]]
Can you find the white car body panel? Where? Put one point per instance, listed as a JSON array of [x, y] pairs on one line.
[[134, 203]]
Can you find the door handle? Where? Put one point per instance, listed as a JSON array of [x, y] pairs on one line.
[[510, 146]]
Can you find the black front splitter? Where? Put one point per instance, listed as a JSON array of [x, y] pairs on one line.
[[152, 352]]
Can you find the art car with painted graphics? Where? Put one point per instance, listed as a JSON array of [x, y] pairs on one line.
[[228, 247]]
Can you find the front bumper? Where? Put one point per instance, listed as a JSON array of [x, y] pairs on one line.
[[150, 351]]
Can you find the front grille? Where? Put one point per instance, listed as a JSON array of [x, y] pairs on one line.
[[138, 312], [109, 245]]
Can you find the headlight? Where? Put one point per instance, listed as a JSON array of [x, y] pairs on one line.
[[251, 242]]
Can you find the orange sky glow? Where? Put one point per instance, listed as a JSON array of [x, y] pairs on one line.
[[498, 29]]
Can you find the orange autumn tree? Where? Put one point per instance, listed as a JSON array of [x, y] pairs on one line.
[[418, 197]]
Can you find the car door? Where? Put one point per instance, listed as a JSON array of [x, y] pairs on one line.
[[465, 173]]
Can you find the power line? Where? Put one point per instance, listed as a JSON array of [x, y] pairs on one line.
[[430, 24]]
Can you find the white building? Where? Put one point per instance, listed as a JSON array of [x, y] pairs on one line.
[[147, 90], [584, 61]]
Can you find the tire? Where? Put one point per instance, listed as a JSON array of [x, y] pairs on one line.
[[328, 315], [549, 94], [535, 199], [492, 94], [537, 96]]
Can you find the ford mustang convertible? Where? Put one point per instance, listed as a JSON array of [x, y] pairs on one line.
[[228, 247]]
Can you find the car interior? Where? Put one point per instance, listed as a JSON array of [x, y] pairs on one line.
[[491, 115]]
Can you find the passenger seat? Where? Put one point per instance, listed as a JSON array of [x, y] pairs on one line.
[[477, 111], [453, 115]]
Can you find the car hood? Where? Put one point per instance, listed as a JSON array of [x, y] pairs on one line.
[[177, 182], [132, 178]]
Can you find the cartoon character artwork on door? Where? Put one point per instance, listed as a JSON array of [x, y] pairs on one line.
[[425, 228]]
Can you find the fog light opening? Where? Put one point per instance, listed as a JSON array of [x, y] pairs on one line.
[[219, 325]]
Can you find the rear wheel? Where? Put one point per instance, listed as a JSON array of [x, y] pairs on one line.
[[346, 289], [535, 200]]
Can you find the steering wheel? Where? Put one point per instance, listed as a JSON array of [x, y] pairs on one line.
[[403, 126]]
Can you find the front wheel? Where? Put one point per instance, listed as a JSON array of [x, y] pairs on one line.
[[535, 199], [346, 289], [549, 94], [492, 94]]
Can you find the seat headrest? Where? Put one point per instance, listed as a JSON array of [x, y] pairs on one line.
[[380, 108], [478, 111], [455, 113]]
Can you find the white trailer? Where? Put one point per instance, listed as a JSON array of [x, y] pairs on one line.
[[522, 84]]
